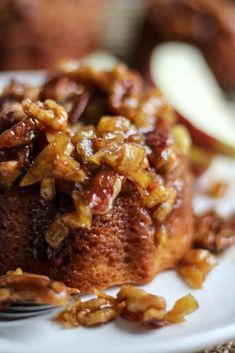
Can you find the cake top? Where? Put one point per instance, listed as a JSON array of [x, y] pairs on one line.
[[193, 20]]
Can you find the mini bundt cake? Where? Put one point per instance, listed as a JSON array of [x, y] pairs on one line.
[[36, 34], [95, 182], [208, 24]]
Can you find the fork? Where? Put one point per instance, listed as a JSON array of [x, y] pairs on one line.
[[24, 311]]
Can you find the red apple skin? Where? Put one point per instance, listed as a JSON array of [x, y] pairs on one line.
[[207, 142], [199, 137]]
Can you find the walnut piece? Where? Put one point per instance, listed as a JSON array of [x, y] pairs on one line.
[[19, 135], [132, 304], [214, 232], [18, 287]]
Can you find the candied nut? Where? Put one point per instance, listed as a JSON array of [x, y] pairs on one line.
[[153, 193], [57, 232], [103, 189], [9, 172], [82, 217], [11, 113], [154, 318], [48, 113], [18, 91], [213, 232], [59, 89], [113, 124], [21, 134], [5, 294], [166, 207], [22, 287], [140, 306], [182, 138], [195, 266], [131, 303], [218, 189], [92, 312], [47, 188], [183, 306], [80, 101], [162, 236], [95, 311], [160, 142]]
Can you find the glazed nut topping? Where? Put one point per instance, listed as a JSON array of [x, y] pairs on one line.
[[140, 306], [195, 266], [92, 144], [213, 232], [92, 312], [48, 113], [131, 303]]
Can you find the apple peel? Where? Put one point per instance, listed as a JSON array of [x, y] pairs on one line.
[[181, 73]]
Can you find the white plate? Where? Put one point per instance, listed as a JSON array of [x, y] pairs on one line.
[[213, 323]]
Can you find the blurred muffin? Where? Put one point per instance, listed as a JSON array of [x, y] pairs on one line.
[[208, 24], [35, 34]]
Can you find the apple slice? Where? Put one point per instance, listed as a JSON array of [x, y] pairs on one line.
[[181, 73]]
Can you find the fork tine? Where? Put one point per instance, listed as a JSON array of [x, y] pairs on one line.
[[17, 316], [19, 313], [29, 308]]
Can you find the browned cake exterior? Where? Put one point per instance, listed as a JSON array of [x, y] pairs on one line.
[[132, 237], [36, 34], [122, 246]]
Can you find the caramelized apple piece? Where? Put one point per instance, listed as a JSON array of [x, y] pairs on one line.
[[195, 266], [57, 232], [182, 307], [55, 161]]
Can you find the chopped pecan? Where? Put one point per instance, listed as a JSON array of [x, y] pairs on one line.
[[141, 306], [49, 113], [11, 114], [160, 143], [21, 287], [57, 232], [131, 303], [92, 312], [19, 135], [9, 172], [213, 232], [58, 88], [17, 91], [102, 190], [79, 104]]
